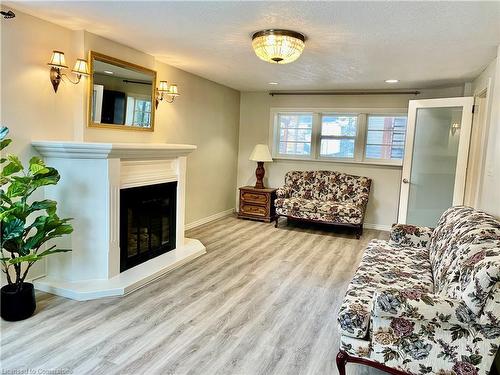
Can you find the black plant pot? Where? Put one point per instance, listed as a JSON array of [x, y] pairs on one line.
[[17, 304]]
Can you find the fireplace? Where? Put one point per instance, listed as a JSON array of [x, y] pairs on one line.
[[100, 183], [147, 222]]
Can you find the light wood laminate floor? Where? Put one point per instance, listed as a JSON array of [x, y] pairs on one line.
[[261, 301]]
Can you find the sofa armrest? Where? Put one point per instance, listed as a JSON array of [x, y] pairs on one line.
[[413, 304], [410, 235], [284, 192]]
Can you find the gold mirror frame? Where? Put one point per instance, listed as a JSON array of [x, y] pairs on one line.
[[124, 64]]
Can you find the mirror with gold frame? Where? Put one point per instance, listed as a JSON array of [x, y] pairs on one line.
[[121, 94]]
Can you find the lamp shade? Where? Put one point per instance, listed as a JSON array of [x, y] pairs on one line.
[[173, 90], [261, 153], [81, 67], [163, 86], [57, 60]]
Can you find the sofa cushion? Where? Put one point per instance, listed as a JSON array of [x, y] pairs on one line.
[[294, 205], [351, 189], [464, 252], [306, 184], [382, 265], [292, 209], [342, 210], [328, 186], [410, 235]]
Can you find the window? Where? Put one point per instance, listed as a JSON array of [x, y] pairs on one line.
[[295, 134], [142, 112], [363, 136], [385, 138], [138, 111], [338, 136]]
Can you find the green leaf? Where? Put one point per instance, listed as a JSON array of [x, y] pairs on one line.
[[3, 132], [36, 257], [12, 229], [48, 205], [47, 228], [53, 251], [50, 177], [4, 198], [37, 166], [14, 166], [6, 212], [16, 189], [4, 143]]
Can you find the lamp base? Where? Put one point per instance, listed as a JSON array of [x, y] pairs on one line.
[[55, 77], [259, 173]]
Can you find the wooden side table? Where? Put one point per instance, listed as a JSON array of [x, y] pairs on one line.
[[257, 204]]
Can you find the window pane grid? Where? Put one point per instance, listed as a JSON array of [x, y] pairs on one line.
[[295, 133], [336, 136], [385, 137]]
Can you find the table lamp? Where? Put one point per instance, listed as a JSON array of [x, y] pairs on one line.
[[260, 154]]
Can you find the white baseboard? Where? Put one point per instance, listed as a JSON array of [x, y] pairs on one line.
[[386, 228], [208, 219]]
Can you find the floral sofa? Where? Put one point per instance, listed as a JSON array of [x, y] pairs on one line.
[[427, 301], [324, 196]]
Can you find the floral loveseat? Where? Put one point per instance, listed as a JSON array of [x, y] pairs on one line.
[[324, 196], [427, 301]]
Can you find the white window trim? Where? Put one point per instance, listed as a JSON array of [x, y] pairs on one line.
[[362, 126]]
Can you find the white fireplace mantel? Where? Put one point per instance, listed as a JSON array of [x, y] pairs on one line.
[[92, 175], [95, 150]]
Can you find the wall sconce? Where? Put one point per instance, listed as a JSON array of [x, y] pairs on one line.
[[58, 62], [454, 127], [166, 92]]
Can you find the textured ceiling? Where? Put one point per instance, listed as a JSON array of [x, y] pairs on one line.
[[350, 45]]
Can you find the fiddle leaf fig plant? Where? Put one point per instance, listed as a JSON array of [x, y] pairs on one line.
[[26, 225]]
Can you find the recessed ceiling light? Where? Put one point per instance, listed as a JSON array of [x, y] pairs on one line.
[[108, 72], [273, 83], [391, 80]]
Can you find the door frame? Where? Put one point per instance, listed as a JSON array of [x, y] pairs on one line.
[[466, 103]]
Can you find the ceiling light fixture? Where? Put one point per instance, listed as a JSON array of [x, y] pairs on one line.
[[273, 83], [108, 72], [278, 46], [391, 80]]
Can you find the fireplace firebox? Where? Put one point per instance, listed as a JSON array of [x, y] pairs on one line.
[[147, 222]]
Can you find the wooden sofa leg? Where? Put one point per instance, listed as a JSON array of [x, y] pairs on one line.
[[342, 358], [359, 232], [276, 221]]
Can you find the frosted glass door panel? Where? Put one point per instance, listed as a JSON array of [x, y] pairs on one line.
[[433, 164]]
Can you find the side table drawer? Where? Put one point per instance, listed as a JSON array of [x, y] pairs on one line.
[[254, 210], [250, 197]]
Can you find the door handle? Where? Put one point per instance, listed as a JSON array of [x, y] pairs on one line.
[[405, 181]]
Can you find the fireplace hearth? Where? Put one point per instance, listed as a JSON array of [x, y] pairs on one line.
[[147, 223]]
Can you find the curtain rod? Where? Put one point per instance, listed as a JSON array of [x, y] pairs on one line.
[[366, 92]]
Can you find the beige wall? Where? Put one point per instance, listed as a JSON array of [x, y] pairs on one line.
[[489, 198], [206, 114], [254, 128]]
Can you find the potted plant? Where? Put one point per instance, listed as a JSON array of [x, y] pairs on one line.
[[26, 227]]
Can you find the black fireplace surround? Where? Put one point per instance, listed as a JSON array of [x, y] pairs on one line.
[[147, 222]]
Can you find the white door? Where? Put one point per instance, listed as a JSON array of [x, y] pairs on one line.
[[435, 160]]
